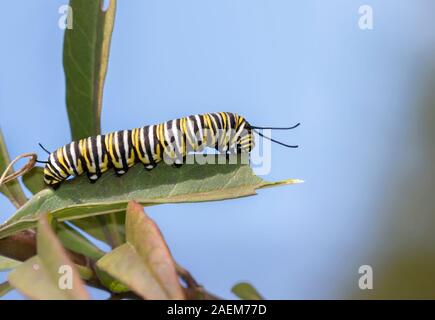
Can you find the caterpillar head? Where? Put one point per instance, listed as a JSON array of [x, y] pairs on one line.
[[246, 139], [50, 177]]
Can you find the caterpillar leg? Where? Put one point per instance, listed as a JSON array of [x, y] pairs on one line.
[[120, 172], [55, 186], [179, 161], [150, 167], [230, 151], [93, 176]]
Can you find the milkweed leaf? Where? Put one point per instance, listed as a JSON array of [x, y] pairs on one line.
[[191, 183]]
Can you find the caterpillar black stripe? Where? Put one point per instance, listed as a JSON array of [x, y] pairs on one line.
[[170, 141]]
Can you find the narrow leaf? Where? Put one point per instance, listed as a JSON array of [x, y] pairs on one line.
[[70, 238], [86, 273], [51, 274], [12, 190], [5, 287], [110, 282], [246, 291], [191, 183], [85, 59], [144, 263], [96, 226], [74, 241], [34, 180], [8, 263]]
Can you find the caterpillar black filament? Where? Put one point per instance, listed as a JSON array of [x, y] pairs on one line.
[[170, 141]]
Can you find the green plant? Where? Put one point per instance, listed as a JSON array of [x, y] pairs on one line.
[[46, 232]]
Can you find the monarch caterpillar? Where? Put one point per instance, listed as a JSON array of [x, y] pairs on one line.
[[170, 141]]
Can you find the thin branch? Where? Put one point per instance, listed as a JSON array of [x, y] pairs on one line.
[[22, 246], [194, 291], [186, 276]]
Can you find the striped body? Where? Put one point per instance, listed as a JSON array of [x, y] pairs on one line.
[[170, 141]]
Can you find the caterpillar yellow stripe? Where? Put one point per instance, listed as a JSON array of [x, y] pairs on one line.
[[171, 141]]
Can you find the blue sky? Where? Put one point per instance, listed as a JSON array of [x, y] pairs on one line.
[[276, 63]]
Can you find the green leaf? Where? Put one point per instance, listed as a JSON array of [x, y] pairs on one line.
[[97, 226], [5, 287], [110, 282], [41, 277], [85, 59], [86, 273], [191, 183], [144, 263], [246, 291], [34, 180], [70, 238], [8, 263], [74, 241], [12, 190]]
